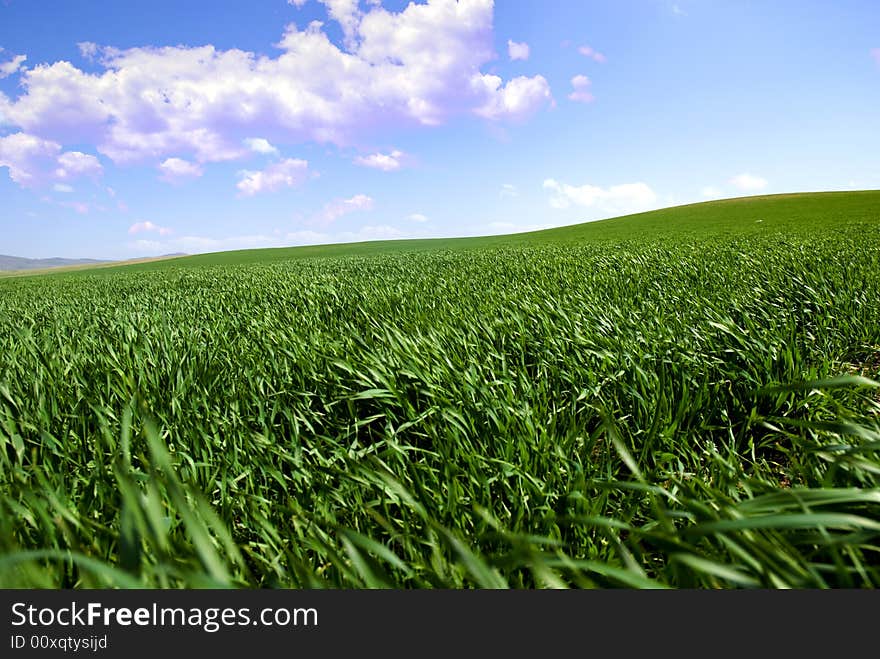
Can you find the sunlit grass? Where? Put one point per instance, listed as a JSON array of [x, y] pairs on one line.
[[685, 407]]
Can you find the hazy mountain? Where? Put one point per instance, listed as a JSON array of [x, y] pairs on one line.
[[20, 263]]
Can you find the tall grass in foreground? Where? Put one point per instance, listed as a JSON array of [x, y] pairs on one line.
[[687, 413]]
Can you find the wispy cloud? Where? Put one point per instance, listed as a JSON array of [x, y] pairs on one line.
[[508, 190], [148, 227], [11, 66], [748, 182], [335, 209], [418, 217], [282, 174], [80, 207], [595, 55]]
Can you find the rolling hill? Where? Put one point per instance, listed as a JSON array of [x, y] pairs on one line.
[[793, 213]]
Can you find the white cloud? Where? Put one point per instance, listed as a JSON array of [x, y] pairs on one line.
[[88, 49], [581, 85], [34, 162], [62, 187], [13, 65], [618, 199], [678, 11], [595, 55], [517, 51], [748, 182], [141, 227], [418, 217], [260, 145], [281, 174], [335, 209], [516, 100], [418, 66], [387, 162], [30, 160], [508, 190], [73, 164], [175, 170]]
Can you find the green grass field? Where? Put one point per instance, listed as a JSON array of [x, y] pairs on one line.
[[680, 398]]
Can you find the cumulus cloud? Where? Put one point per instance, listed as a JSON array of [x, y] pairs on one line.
[[13, 65], [141, 227], [748, 182], [34, 162], [175, 170], [282, 174], [260, 145], [419, 66], [387, 162], [517, 51], [73, 164], [516, 100], [624, 198], [595, 55], [338, 207], [581, 93]]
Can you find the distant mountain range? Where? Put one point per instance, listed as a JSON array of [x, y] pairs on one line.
[[19, 263]]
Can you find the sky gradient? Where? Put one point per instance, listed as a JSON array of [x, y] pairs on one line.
[[143, 128]]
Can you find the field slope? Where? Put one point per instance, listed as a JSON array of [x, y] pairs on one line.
[[789, 213], [680, 398]]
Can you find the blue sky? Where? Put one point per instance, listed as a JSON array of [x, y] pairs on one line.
[[142, 128]]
